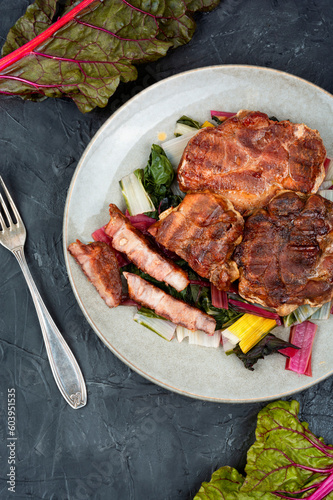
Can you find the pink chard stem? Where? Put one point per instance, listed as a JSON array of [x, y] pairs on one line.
[[29, 47]]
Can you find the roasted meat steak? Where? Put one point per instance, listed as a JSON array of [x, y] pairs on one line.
[[286, 256], [249, 158], [100, 265], [170, 308], [139, 250], [203, 230]]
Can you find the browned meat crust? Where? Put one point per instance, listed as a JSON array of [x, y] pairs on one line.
[[170, 308], [99, 263], [127, 239], [249, 158], [203, 230], [286, 256]]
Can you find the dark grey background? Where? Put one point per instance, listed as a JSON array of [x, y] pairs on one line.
[[133, 440]]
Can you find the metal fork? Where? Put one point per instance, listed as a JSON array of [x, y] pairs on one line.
[[64, 367]]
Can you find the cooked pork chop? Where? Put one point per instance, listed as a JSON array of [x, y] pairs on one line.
[[100, 265], [170, 308], [203, 230], [286, 256], [127, 239], [249, 158]]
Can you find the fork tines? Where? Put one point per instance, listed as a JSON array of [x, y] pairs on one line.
[[7, 210]]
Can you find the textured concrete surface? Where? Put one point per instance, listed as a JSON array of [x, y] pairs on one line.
[[133, 440]]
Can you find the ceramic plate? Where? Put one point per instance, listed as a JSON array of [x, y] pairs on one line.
[[122, 145]]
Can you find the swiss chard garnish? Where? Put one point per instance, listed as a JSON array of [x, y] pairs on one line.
[[190, 122], [302, 336], [268, 345], [286, 461], [158, 175], [92, 47]]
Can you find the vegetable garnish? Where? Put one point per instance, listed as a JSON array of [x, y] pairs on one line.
[[323, 312], [185, 125], [221, 116], [255, 309], [198, 337], [286, 461], [268, 345], [158, 175], [91, 48], [140, 221], [161, 326], [329, 168], [302, 313], [219, 298], [302, 336], [250, 330], [174, 148], [136, 197]]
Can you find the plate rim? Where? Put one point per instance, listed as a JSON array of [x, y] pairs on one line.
[[76, 172]]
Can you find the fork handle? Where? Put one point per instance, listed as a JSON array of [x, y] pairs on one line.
[[65, 369]]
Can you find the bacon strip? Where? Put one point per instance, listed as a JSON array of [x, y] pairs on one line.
[[170, 308], [99, 263], [127, 239]]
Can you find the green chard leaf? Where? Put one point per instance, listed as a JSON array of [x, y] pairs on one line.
[[185, 120], [92, 47], [225, 484], [286, 456], [268, 345], [286, 461], [158, 175]]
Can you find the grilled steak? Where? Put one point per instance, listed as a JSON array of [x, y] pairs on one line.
[[99, 263], [170, 308], [203, 230], [286, 256], [249, 158], [127, 239]]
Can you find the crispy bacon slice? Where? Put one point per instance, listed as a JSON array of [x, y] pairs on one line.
[[99, 263], [249, 158], [170, 308], [203, 230], [139, 250]]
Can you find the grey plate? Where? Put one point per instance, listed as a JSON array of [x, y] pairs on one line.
[[122, 145]]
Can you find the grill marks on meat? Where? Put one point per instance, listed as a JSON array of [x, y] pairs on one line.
[[203, 230], [99, 263], [249, 158], [127, 239], [170, 308], [286, 256]]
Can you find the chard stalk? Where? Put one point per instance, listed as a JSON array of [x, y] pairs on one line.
[[29, 47], [324, 489]]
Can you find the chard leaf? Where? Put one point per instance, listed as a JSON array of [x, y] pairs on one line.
[[37, 18], [268, 345], [225, 484], [286, 461], [185, 120], [92, 47], [149, 313], [286, 456], [158, 175]]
